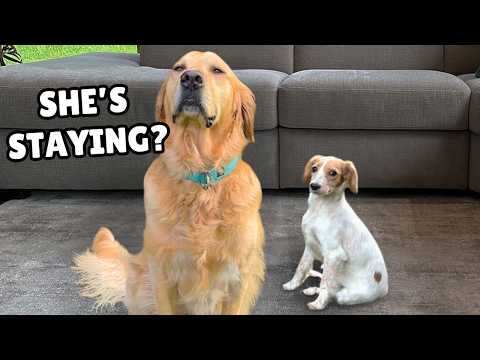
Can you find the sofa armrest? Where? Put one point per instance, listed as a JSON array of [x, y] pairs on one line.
[[20, 85], [474, 113]]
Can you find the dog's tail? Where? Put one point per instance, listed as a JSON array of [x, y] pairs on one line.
[[103, 270]]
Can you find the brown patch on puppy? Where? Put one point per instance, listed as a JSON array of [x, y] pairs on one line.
[[377, 276], [351, 175], [334, 171], [338, 171], [315, 161]]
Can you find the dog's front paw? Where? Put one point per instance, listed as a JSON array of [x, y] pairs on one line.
[[316, 274], [311, 291], [291, 285], [315, 305], [320, 303]]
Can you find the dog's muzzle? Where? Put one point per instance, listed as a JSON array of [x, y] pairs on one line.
[[190, 103]]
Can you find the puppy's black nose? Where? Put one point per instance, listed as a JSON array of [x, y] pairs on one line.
[[314, 186], [191, 80]]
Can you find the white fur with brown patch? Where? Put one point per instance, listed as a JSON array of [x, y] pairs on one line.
[[354, 270]]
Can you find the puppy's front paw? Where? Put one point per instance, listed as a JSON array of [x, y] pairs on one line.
[[311, 291], [291, 285], [315, 305], [320, 303], [316, 274]]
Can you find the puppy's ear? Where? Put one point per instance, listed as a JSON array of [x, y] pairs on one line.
[[244, 110], [351, 176], [160, 112], [307, 172]]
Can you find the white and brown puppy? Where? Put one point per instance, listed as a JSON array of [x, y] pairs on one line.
[[354, 271]]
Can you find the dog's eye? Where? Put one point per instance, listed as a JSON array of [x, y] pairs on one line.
[[179, 68], [333, 173], [314, 169], [217, 70]]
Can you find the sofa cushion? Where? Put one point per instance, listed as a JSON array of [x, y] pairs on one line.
[[474, 181], [262, 156], [369, 57], [376, 99], [474, 114], [118, 172], [264, 84], [87, 173], [384, 159], [462, 59], [270, 57], [20, 85]]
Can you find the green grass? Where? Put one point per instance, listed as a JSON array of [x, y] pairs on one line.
[[43, 52]]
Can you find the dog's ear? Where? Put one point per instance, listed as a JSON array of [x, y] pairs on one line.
[[244, 110], [160, 112], [307, 172], [351, 176]]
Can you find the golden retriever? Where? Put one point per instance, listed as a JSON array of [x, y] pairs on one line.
[[203, 243]]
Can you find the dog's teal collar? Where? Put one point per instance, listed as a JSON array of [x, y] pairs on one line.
[[207, 178]]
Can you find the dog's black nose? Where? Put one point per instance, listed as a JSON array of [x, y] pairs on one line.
[[314, 186], [191, 80]]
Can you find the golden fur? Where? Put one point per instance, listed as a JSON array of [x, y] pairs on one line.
[[203, 248]]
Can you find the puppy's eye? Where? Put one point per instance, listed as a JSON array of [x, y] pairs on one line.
[[314, 169], [332, 173], [179, 68], [217, 70]]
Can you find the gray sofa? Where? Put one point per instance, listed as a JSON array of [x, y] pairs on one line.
[[408, 116]]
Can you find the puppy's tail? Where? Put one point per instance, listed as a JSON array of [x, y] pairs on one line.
[[103, 270]]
